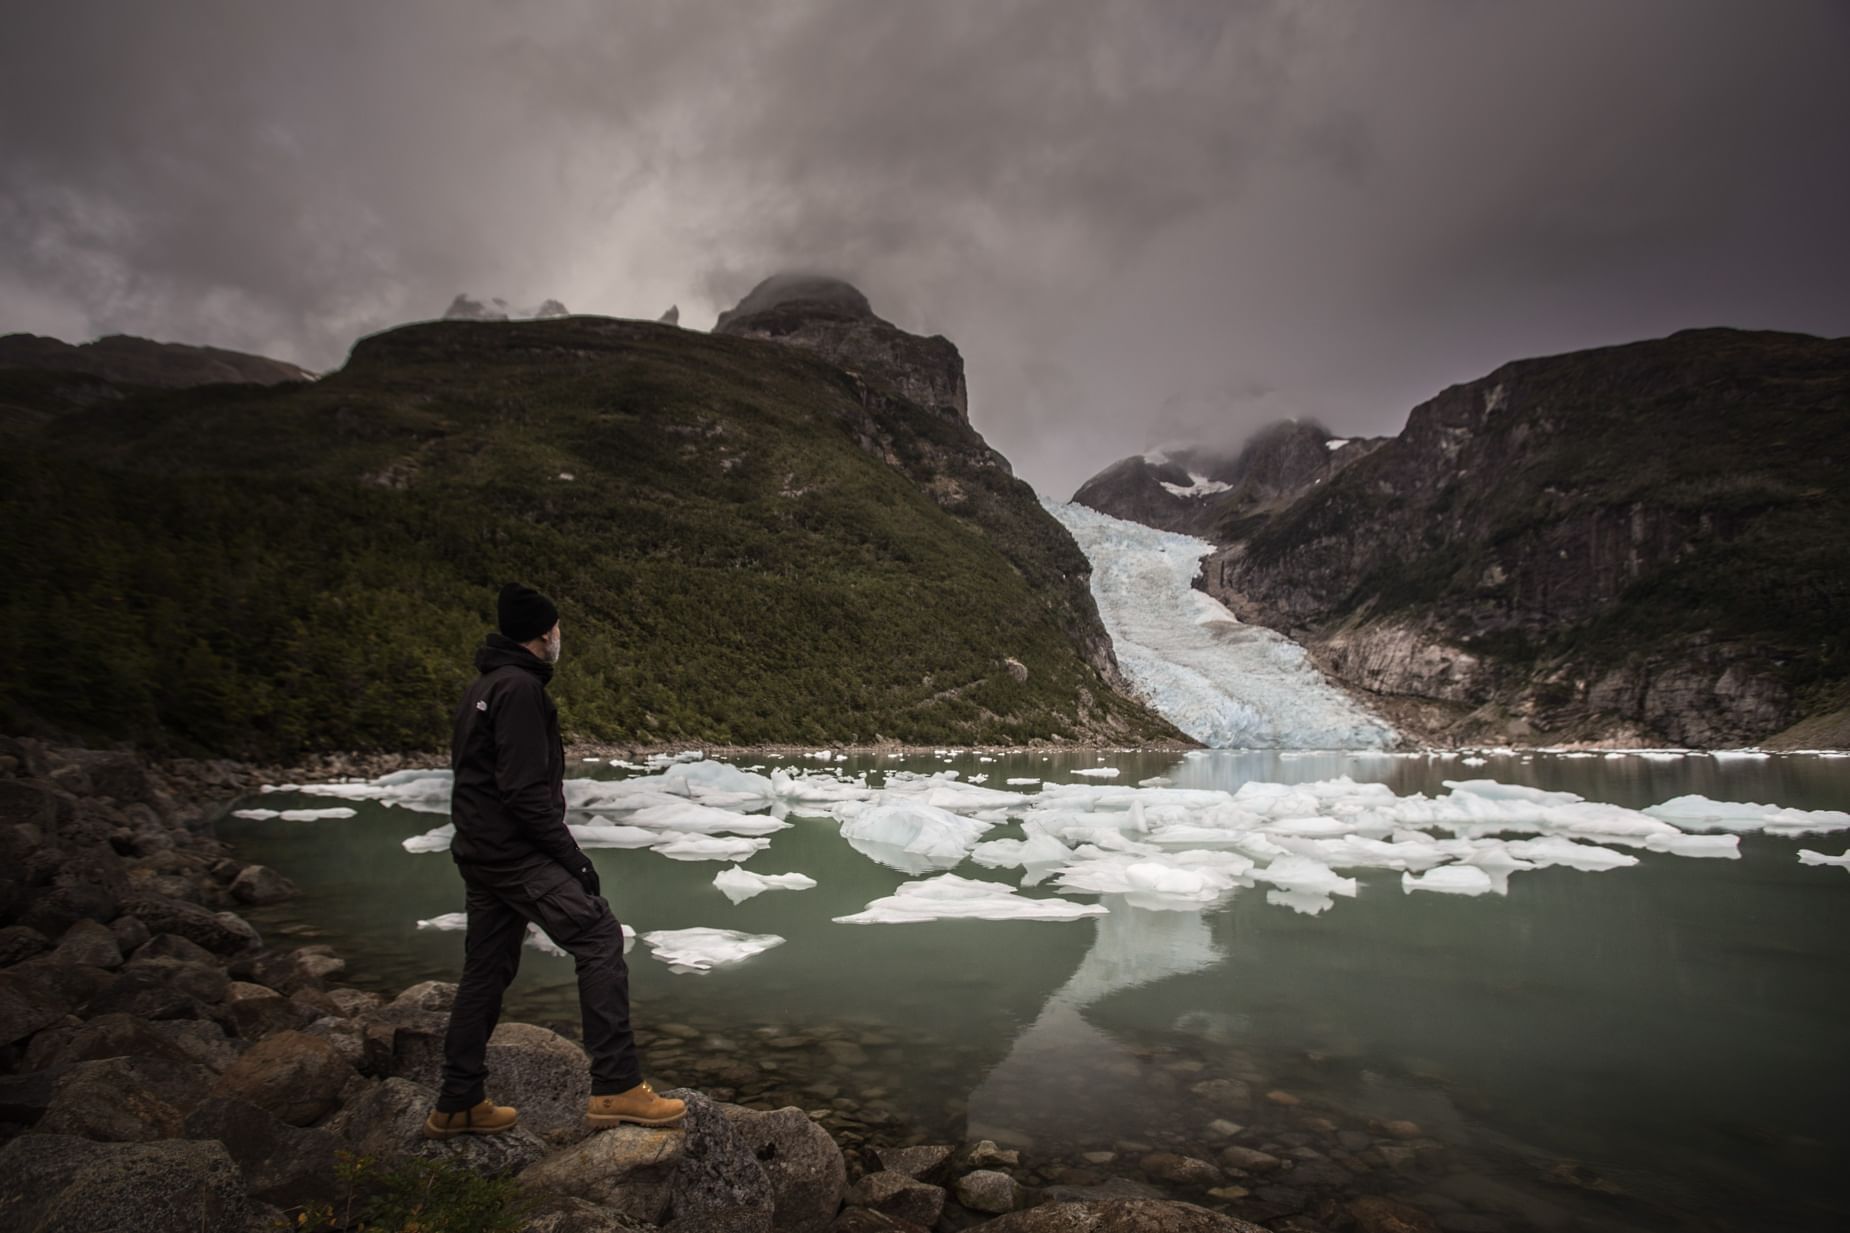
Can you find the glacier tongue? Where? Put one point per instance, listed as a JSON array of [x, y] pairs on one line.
[[1226, 684]]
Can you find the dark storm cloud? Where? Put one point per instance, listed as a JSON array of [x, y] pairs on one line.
[[1142, 222]]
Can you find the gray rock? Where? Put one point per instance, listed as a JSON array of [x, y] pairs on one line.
[[160, 989], [1250, 1160], [539, 1072], [427, 995], [624, 1169], [802, 1163], [131, 932], [1181, 1170], [125, 1099], [386, 1120], [719, 1183], [62, 1184], [222, 933], [1119, 1216], [986, 1190], [867, 1220], [254, 1011], [111, 1035], [927, 1162], [282, 1164], [172, 946], [1113, 1188], [895, 1194], [351, 1002], [984, 1154], [296, 1077], [261, 884], [90, 942], [26, 1005], [21, 942]]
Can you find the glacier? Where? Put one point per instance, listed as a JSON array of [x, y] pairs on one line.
[[1225, 683]]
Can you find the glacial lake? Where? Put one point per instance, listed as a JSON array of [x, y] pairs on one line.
[[1659, 1046]]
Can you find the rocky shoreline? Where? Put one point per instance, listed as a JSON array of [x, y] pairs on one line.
[[162, 1068]]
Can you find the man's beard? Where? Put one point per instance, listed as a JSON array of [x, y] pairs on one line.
[[553, 646]]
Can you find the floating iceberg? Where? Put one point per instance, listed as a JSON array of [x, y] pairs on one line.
[[1449, 880], [314, 815], [917, 829], [712, 847], [1306, 876], [701, 950], [685, 816], [600, 833], [949, 896], [437, 840], [1809, 857], [1699, 813], [739, 884]]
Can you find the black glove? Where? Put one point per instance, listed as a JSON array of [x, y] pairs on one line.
[[587, 878]]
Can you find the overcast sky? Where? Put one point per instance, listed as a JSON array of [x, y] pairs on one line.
[[1141, 222]]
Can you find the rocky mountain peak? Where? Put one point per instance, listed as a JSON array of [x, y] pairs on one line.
[[494, 308], [833, 319]]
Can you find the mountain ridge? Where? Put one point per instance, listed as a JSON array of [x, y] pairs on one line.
[[1643, 542]]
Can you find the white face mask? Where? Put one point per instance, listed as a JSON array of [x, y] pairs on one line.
[[553, 646]]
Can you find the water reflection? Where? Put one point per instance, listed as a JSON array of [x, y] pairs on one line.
[[1061, 1072]]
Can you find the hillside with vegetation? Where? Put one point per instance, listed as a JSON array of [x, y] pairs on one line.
[[741, 541]]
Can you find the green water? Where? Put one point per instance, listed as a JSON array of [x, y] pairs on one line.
[[1676, 1028]]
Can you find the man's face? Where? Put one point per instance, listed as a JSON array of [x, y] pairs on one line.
[[552, 644]]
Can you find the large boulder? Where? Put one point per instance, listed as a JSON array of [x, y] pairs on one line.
[[989, 1190], [296, 1077], [386, 1121], [1119, 1216], [19, 942], [28, 1004], [624, 1169], [222, 933], [895, 1194], [557, 1213], [802, 1163], [282, 1164], [89, 942], [256, 1011], [260, 884], [160, 989], [125, 1099], [111, 1035], [539, 1072], [56, 1183]]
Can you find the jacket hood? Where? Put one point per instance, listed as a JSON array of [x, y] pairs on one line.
[[499, 651]]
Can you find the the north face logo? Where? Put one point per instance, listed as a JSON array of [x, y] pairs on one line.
[[482, 705]]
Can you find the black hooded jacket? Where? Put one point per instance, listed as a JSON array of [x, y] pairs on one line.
[[508, 796]]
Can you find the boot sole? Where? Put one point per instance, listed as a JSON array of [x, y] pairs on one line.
[[601, 1120], [432, 1132]]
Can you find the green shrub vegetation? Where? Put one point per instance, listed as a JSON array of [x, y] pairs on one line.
[[267, 570]]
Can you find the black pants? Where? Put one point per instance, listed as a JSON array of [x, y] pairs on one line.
[[501, 900]]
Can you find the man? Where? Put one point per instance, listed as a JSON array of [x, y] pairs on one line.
[[519, 863]]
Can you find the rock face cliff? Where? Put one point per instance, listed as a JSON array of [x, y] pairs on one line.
[[1644, 543], [142, 361], [914, 415]]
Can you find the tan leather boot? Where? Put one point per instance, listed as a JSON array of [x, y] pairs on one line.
[[486, 1118], [639, 1106]]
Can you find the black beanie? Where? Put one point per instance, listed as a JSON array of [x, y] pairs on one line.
[[523, 613]]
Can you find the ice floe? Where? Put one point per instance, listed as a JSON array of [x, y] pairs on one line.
[[1699, 813], [702, 949], [712, 847], [1809, 857], [739, 884], [949, 896]]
